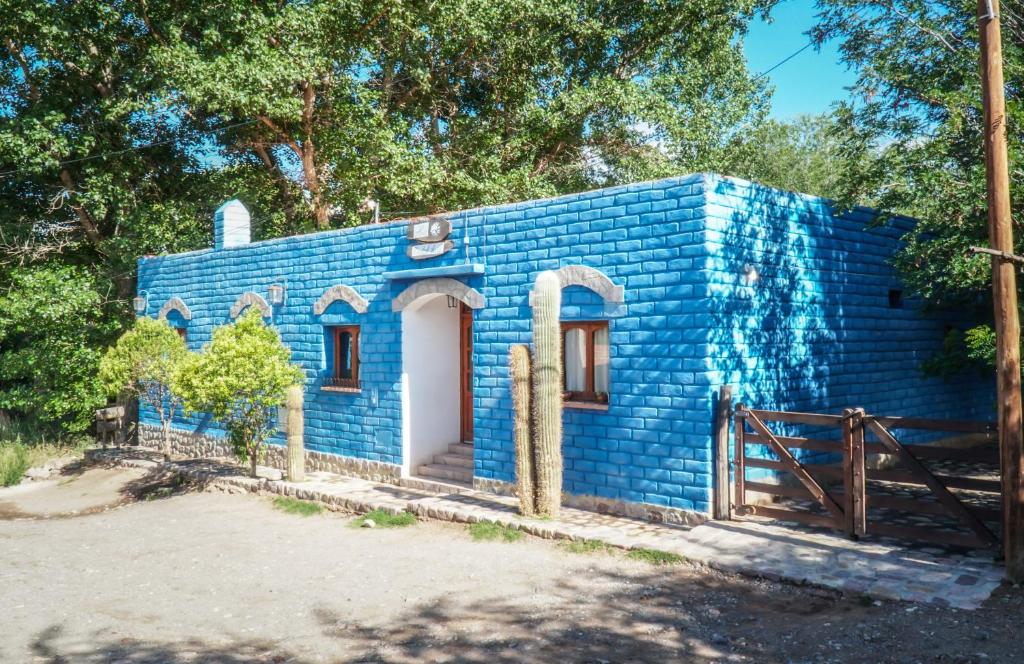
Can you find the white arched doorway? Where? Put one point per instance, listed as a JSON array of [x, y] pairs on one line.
[[437, 379], [431, 412]]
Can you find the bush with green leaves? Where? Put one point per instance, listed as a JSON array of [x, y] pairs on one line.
[[54, 321], [240, 377], [962, 351], [141, 364]]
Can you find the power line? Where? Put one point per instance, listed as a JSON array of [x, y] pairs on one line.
[[785, 60]]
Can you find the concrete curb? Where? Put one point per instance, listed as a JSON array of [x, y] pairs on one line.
[[423, 506]]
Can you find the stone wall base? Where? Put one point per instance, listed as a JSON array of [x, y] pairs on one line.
[[650, 513], [201, 445]]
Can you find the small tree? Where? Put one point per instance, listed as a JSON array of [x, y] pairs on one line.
[[141, 364], [240, 378]]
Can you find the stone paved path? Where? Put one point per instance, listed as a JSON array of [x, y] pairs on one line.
[[751, 548]]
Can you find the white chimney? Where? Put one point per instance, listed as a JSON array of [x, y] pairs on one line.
[[230, 225]]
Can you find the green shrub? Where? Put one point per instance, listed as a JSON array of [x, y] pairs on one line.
[[241, 377], [141, 364], [296, 506], [54, 321], [484, 531], [14, 461]]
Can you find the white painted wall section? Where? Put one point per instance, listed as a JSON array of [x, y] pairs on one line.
[[430, 380]]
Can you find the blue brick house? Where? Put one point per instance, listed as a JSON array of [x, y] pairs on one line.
[[670, 289]]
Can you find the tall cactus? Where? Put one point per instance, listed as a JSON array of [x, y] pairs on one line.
[[547, 392], [519, 368], [296, 448]]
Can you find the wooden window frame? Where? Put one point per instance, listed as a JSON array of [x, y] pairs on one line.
[[335, 381], [590, 328]]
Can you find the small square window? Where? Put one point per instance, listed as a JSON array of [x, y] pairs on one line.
[[344, 357], [895, 299], [585, 353]]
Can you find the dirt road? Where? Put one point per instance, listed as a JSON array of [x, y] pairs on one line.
[[210, 577]]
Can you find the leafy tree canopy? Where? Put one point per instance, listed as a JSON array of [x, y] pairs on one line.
[[913, 136], [142, 364], [147, 354], [240, 377], [125, 123], [442, 105], [804, 155], [53, 322], [914, 133]]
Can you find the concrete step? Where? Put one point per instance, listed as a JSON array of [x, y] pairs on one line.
[[435, 485], [463, 449], [450, 473], [450, 459]]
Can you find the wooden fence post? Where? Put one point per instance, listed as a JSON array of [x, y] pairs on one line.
[[739, 468], [722, 485], [854, 488]]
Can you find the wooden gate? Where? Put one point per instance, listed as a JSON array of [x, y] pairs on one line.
[[850, 473]]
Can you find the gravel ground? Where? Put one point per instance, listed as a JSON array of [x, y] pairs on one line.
[[209, 577]]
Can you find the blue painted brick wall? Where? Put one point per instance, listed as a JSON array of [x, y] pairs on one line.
[[814, 332]]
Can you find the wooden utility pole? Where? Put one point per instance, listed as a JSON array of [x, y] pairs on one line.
[[1004, 289]]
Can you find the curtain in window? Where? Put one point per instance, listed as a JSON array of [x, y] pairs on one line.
[[575, 360], [601, 359], [345, 355]]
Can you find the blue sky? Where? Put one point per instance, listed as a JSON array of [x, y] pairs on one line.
[[810, 82]]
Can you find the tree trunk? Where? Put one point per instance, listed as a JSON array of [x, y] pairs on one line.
[[85, 219], [284, 185], [252, 461], [167, 438], [306, 153], [316, 199], [309, 171]]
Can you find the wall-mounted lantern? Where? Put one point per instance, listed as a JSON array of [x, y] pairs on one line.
[[275, 295], [139, 303]]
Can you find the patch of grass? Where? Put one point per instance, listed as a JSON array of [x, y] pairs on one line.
[[296, 506], [655, 557], [484, 531], [383, 519], [40, 453], [15, 459], [25, 445], [585, 546]]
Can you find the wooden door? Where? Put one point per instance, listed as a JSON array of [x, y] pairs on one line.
[[466, 370]]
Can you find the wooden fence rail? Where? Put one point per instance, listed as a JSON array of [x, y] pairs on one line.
[[824, 478]]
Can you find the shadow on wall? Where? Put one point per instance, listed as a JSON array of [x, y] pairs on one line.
[[802, 319], [775, 330]]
